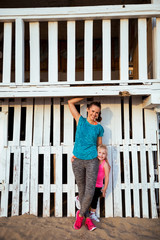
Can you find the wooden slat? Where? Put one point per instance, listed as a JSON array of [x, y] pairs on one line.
[[124, 55], [158, 48], [116, 182], [46, 193], [38, 122], [137, 121], [142, 48], [26, 181], [71, 51], [19, 66], [68, 126], [7, 48], [29, 121], [145, 209], [106, 50], [2, 150], [17, 122], [126, 120], [34, 52], [34, 182], [47, 120], [53, 52], [56, 123], [136, 200], [16, 181], [58, 195], [88, 50], [150, 126]]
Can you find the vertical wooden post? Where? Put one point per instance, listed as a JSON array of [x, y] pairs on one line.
[[71, 51], [106, 31]]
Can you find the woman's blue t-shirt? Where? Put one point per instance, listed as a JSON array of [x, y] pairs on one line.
[[85, 146]]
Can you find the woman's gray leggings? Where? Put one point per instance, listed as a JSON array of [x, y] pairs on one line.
[[85, 172]]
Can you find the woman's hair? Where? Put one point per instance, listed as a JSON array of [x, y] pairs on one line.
[[103, 146], [98, 104]]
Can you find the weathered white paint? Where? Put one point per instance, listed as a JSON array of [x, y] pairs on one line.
[[47, 122], [29, 123], [137, 121], [126, 120], [17, 122], [38, 122], [71, 51], [56, 122]]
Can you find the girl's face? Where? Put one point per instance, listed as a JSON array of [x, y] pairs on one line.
[[93, 112], [102, 154]]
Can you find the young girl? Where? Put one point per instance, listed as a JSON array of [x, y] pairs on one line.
[[103, 173]]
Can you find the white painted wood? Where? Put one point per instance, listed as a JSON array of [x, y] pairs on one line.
[[137, 122], [46, 193], [26, 181], [47, 120], [150, 126], [83, 108], [106, 31], [38, 122], [68, 126], [34, 52], [126, 120], [2, 150], [56, 122], [34, 182], [116, 130], [71, 51], [29, 121], [19, 65], [53, 52], [152, 190], [136, 200], [17, 122], [109, 194], [127, 181], [124, 49], [7, 49], [88, 51], [116, 182], [16, 181], [158, 47], [5, 126], [58, 172], [145, 209], [142, 48]]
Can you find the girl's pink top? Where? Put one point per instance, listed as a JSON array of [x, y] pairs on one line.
[[101, 175]]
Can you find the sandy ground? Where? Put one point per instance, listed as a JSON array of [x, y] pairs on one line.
[[31, 227]]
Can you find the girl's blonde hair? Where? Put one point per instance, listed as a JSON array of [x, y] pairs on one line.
[[103, 146]]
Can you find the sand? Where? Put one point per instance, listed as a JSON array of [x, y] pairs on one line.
[[31, 227]]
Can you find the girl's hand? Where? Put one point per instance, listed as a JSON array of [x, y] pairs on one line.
[[103, 192]]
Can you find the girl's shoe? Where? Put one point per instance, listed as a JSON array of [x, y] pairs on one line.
[[94, 217], [78, 223], [89, 224], [78, 206]]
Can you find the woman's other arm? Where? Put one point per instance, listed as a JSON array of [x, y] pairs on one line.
[[73, 109]]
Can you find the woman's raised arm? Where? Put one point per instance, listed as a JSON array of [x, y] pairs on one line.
[[73, 109]]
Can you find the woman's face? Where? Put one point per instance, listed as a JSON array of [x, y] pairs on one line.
[[93, 112]]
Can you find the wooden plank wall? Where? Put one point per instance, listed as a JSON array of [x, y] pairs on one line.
[[35, 150]]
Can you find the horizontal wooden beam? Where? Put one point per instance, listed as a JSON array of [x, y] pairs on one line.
[[152, 101], [90, 12]]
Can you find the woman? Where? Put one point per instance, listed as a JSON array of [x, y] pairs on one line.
[[85, 165]]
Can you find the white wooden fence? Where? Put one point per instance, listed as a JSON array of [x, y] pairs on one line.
[[39, 166]]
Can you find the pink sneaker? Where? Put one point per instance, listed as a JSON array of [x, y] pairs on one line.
[[78, 223], [89, 224]]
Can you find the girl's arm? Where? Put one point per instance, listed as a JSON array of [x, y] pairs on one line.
[[106, 170], [73, 109], [99, 141]]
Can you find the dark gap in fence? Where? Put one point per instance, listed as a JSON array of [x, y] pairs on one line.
[[102, 207], [27, 52], [11, 168], [149, 203], [62, 51], [131, 167], [9, 204], [79, 76], [64, 199], [1, 49], [62, 122], [139, 166], [157, 197], [13, 54], [0, 109], [115, 49], [10, 123], [132, 204], [143, 117], [64, 168], [74, 124], [140, 201], [0, 198], [23, 124], [122, 166], [155, 162], [123, 203], [133, 49], [43, 51], [20, 203], [149, 48], [52, 204], [51, 122], [147, 167], [130, 117], [40, 204], [40, 168], [122, 117], [97, 50], [52, 169], [21, 168]]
